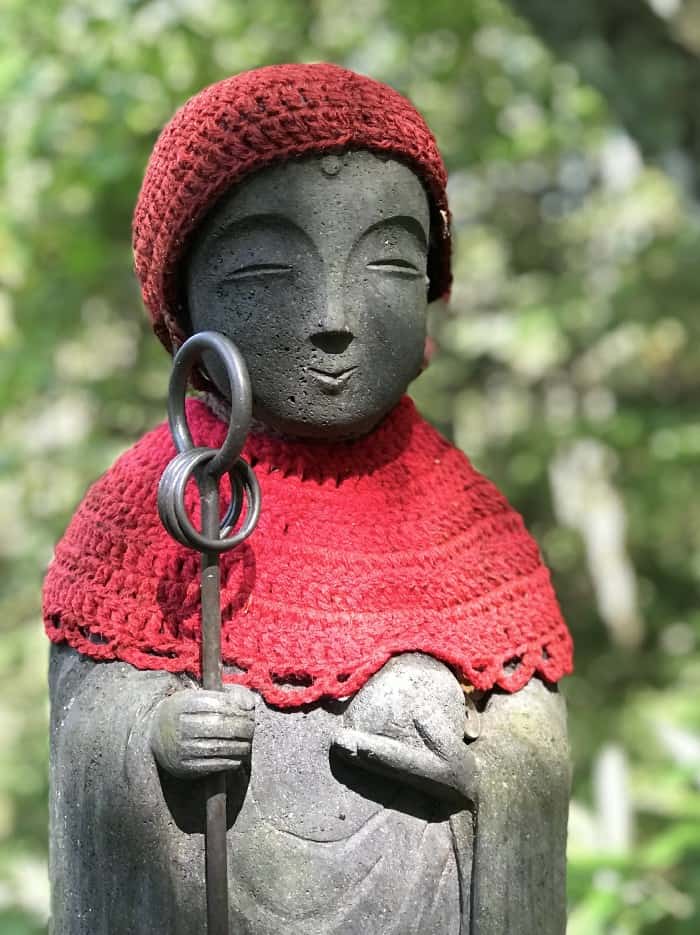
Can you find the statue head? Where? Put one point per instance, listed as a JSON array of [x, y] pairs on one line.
[[301, 211]]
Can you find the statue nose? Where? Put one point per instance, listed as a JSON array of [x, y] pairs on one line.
[[332, 342], [333, 334]]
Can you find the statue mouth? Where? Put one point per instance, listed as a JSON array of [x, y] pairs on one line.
[[332, 381]]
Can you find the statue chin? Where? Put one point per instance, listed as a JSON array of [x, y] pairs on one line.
[[354, 419]]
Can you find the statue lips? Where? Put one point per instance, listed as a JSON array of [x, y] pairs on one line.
[[332, 382]]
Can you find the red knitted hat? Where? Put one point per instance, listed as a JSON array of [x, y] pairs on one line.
[[257, 118]]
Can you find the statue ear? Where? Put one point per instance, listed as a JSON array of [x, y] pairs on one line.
[[429, 349]]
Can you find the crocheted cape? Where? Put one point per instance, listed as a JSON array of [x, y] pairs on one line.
[[387, 544]]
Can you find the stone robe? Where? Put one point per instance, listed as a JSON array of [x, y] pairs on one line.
[[318, 845]]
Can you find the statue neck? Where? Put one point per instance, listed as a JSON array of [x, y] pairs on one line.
[[327, 459]]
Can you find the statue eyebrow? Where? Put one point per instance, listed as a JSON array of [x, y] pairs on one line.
[[410, 224], [247, 221]]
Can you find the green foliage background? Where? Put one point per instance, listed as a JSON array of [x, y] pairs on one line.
[[569, 366]]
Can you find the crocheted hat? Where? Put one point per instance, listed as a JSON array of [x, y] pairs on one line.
[[252, 120]]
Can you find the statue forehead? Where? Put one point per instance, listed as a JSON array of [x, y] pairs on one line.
[[358, 187]]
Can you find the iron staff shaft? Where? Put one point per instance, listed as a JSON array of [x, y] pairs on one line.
[[215, 785], [208, 465]]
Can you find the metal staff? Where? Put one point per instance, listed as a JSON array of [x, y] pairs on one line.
[[208, 465]]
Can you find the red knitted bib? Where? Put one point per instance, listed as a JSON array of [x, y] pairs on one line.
[[391, 543]]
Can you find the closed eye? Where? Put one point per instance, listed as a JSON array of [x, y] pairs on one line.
[[258, 269], [396, 267]]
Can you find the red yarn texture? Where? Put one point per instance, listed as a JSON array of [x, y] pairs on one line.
[[252, 120], [392, 543]]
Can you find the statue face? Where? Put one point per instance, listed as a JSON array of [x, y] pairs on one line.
[[316, 269]]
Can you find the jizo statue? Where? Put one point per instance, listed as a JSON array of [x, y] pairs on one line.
[[391, 736]]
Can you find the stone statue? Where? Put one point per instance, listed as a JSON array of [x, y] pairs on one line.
[[391, 732]]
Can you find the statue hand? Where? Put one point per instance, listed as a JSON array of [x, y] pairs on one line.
[[450, 777], [196, 732], [409, 722]]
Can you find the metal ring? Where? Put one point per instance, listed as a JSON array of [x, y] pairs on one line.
[[171, 481], [240, 395], [235, 507], [238, 490], [171, 501], [171, 492]]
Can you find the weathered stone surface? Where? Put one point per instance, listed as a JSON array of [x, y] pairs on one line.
[[320, 842], [410, 808]]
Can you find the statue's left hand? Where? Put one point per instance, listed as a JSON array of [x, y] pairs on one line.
[[446, 777], [408, 722]]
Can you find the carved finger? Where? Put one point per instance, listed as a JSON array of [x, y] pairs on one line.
[[205, 766], [202, 702], [445, 779], [385, 751], [240, 697], [215, 724], [212, 748]]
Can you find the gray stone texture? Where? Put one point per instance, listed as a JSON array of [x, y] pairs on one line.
[[413, 807]]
